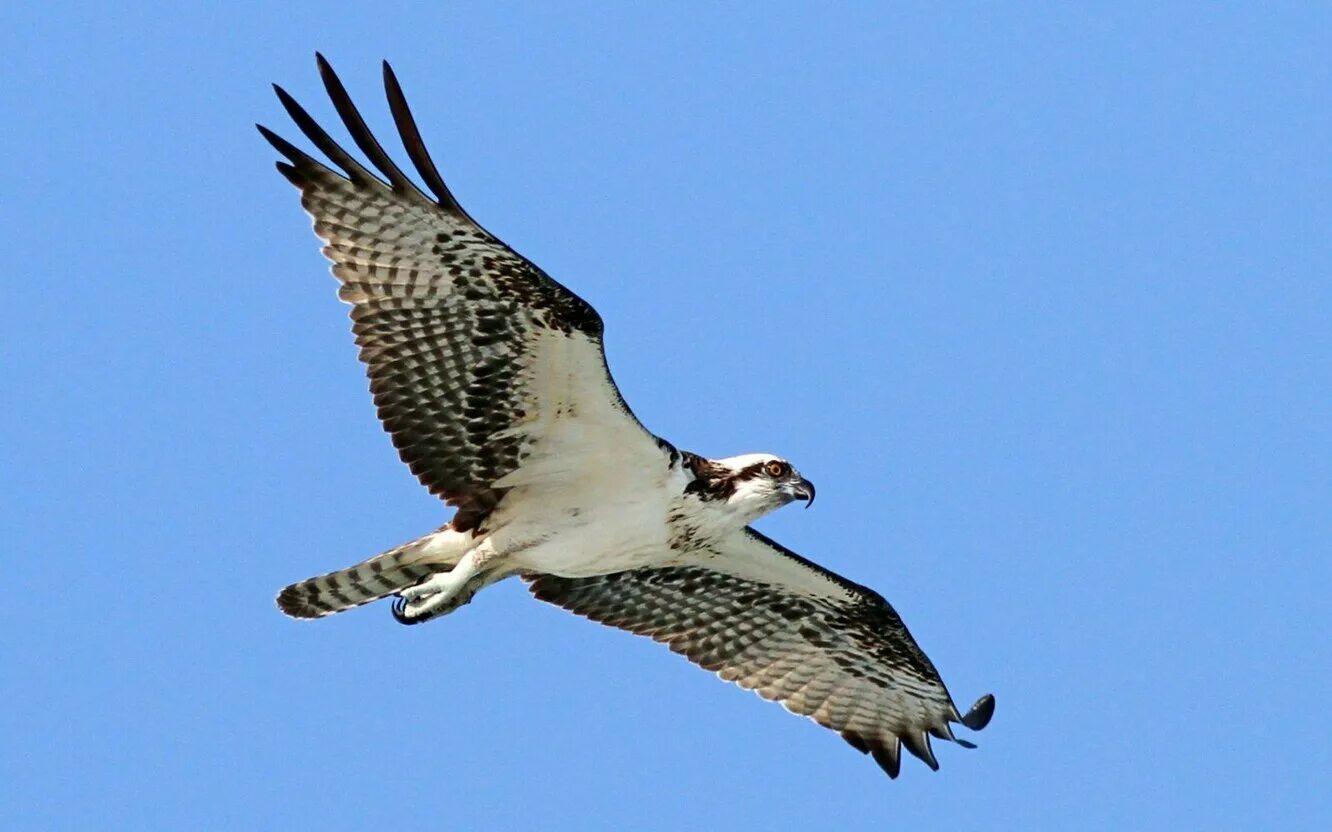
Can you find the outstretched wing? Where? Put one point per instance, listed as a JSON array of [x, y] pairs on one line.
[[474, 353], [769, 620]]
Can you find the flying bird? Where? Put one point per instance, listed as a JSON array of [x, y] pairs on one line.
[[491, 379]]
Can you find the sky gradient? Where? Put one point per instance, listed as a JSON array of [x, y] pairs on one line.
[[1040, 298]]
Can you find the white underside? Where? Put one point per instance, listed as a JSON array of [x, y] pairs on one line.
[[596, 494], [585, 527], [556, 536]]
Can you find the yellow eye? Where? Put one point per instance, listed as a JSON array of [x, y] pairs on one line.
[[777, 469]]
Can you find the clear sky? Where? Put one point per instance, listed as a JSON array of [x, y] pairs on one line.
[[1041, 299]]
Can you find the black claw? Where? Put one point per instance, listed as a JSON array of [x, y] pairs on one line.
[[400, 612], [979, 715]]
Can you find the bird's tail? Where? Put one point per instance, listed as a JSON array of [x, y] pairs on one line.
[[379, 577]]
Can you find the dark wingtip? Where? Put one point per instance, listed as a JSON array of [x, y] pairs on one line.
[[980, 713], [288, 102], [325, 68], [292, 175], [273, 138], [410, 135], [919, 746], [294, 155], [285, 97], [889, 759], [360, 131], [856, 741]]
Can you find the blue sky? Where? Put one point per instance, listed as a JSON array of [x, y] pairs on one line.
[[1040, 298]]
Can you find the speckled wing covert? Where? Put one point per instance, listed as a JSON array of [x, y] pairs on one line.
[[472, 350], [765, 618]]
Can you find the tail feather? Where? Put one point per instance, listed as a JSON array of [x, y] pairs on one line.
[[379, 577]]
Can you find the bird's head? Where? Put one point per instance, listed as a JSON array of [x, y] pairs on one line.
[[751, 485]]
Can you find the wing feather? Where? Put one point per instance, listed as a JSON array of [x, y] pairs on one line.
[[476, 357], [360, 133], [416, 149], [761, 616]]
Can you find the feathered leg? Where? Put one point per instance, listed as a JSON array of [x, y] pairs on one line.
[[445, 592]]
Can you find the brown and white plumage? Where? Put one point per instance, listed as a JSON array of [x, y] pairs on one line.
[[771, 621], [491, 379], [467, 343]]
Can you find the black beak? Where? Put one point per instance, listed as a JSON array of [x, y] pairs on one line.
[[804, 490]]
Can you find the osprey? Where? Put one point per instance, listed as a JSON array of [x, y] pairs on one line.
[[492, 381]]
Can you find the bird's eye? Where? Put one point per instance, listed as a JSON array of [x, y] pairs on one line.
[[778, 469]]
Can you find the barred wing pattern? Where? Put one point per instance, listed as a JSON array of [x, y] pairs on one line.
[[767, 619], [472, 350]]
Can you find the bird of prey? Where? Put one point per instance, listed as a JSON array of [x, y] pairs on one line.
[[491, 379]]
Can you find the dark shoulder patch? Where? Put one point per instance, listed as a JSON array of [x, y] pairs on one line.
[[711, 481]]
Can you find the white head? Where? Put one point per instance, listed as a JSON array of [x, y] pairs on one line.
[[750, 485]]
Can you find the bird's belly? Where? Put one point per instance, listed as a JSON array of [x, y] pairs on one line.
[[580, 541]]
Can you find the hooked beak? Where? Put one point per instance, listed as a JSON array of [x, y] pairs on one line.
[[804, 490]]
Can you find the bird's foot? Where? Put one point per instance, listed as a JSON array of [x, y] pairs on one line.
[[436, 595]]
